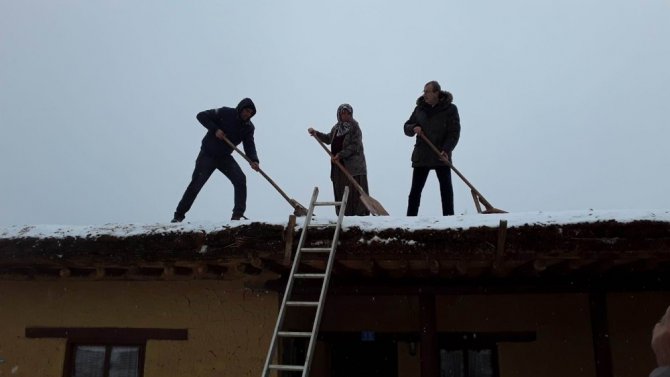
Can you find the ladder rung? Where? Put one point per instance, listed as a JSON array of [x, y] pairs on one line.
[[329, 225], [310, 276], [315, 249], [295, 368], [302, 303], [327, 203], [295, 334]]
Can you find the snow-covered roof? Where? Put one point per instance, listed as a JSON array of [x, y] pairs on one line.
[[623, 244], [366, 224]]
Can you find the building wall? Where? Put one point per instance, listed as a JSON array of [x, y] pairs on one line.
[[384, 314], [561, 322], [631, 318], [229, 327]]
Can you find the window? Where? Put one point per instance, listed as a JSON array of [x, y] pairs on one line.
[[474, 354], [468, 363], [105, 351], [105, 360]]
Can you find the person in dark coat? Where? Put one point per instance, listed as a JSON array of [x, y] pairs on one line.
[[235, 125], [437, 118], [346, 144]]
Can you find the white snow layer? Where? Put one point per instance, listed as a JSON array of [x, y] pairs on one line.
[[368, 224]]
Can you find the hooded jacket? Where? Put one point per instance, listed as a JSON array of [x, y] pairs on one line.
[[352, 155], [441, 125], [237, 131]]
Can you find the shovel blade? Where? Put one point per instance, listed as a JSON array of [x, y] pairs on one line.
[[493, 210], [299, 210], [375, 208]]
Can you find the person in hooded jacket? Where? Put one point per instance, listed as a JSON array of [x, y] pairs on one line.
[[235, 125], [437, 118], [346, 145]]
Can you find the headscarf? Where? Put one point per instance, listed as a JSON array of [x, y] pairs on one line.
[[341, 128]]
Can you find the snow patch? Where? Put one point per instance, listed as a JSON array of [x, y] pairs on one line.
[[366, 224]]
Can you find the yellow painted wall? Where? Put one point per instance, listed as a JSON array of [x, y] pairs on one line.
[[229, 327], [631, 318], [562, 324], [560, 321], [376, 313]]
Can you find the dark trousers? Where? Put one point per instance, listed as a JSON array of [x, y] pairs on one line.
[[355, 206], [419, 177], [204, 167]]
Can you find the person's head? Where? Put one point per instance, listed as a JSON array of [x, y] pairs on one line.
[[431, 92], [247, 113], [246, 109], [345, 113]]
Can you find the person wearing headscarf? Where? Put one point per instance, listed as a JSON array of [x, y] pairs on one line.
[[346, 146]]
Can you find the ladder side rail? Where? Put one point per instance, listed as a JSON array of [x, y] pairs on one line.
[[289, 285], [324, 286]]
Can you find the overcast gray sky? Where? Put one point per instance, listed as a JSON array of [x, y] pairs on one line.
[[563, 104]]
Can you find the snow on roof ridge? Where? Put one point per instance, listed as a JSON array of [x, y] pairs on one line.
[[371, 224]]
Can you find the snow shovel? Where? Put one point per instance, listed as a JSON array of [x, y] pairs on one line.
[[299, 209], [476, 195], [375, 208]]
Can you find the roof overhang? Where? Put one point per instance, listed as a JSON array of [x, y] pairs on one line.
[[503, 252]]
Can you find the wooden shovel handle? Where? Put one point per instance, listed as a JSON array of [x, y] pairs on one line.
[[448, 163], [344, 170], [259, 170]]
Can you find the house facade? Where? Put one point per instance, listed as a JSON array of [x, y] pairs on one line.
[[574, 299]]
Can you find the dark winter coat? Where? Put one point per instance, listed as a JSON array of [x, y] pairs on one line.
[[237, 131], [441, 125], [352, 155], [663, 371]]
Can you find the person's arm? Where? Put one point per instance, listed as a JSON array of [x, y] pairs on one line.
[[453, 131], [660, 344], [320, 135], [411, 124], [325, 138], [208, 119], [250, 146], [353, 142]]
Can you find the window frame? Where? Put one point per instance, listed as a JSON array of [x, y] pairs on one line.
[[70, 353], [466, 348], [107, 337], [477, 341]]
